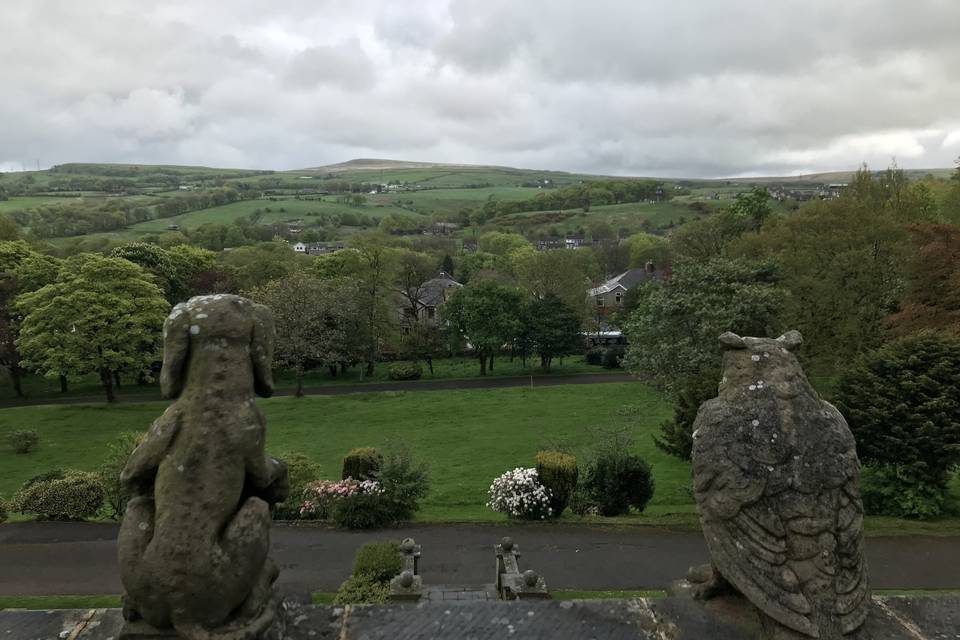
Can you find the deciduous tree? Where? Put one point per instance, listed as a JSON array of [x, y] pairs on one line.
[[313, 320], [487, 315], [672, 334], [101, 315]]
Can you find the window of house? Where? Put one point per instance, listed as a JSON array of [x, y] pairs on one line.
[[599, 301], [619, 297], [431, 312]]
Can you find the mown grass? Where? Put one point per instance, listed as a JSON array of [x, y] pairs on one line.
[[443, 369], [60, 602], [467, 436]]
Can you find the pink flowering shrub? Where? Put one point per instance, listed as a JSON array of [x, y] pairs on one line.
[[519, 494], [322, 496]]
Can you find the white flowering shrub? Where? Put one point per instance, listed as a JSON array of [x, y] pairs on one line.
[[519, 494]]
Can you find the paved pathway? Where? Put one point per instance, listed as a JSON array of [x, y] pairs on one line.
[[80, 558], [342, 389]]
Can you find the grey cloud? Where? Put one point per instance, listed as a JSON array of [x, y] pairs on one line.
[[658, 87]]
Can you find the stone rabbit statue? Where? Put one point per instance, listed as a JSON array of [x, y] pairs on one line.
[[194, 543], [775, 475]]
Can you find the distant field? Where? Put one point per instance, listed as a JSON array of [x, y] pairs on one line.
[[448, 201], [282, 210], [630, 216], [28, 202]]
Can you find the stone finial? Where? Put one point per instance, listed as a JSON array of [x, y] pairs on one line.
[[408, 545], [506, 543], [530, 578], [194, 543], [776, 482], [406, 579]]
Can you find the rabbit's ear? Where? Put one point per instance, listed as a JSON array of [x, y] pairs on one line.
[[176, 348], [261, 350]]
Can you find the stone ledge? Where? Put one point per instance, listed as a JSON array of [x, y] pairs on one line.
[[729, 618]]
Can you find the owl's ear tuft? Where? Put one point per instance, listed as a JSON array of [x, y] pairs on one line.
[[730, 340], [791, 340]]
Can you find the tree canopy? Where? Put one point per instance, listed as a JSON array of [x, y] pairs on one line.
[[101, 315], [672, 334]]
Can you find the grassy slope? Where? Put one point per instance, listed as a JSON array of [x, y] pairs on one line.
[[293, 210], [28, 202]]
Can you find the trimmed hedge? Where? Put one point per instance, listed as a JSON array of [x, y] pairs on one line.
[[3, 511], [362, 463], [77, 495], [404, 370], [23, 441], [558, 473]]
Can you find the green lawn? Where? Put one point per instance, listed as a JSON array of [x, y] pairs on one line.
[[60, 602], [443, 369], [468, 437]]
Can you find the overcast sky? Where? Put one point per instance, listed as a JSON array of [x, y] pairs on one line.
[[632, 87]]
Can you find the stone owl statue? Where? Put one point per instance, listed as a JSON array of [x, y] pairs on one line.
[[776, 482]]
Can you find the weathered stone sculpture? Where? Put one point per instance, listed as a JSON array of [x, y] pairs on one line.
[[195, 539], [776, 482]]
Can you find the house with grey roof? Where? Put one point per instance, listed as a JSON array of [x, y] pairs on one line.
[[609, 297], [421, 303]]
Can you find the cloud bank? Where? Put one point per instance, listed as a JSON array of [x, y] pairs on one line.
[[658, 87]]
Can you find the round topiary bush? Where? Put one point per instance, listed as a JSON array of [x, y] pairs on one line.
[[404, 370], [362, 463], [23, 441], [614, 482], [76, 495], [558, 473]]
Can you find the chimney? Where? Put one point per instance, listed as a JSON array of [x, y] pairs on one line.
[[649, 266]]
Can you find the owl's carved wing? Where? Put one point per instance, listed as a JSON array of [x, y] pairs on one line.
[[777, 540], [744, 532]]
